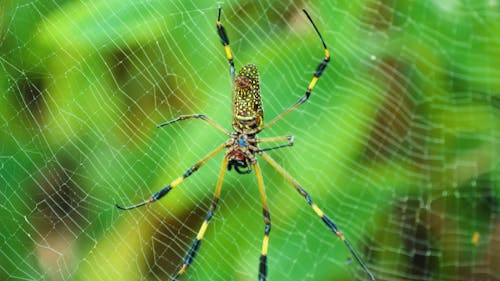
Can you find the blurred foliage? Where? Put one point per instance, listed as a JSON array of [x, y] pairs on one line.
[[398, 143]]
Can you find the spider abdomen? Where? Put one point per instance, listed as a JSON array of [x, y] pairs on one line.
[[248, 114]]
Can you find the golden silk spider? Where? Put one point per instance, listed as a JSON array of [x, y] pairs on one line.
[[243, 147]]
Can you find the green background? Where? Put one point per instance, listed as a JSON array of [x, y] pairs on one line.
[[398, 143]]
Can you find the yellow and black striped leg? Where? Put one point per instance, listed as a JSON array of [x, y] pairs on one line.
[[191, 254], [198, 116], [267, 222], [329, 223], [158, 195], [319, 70], [225, 42]]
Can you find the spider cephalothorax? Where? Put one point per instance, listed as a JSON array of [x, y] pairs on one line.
[[241, 155], [242, 149]]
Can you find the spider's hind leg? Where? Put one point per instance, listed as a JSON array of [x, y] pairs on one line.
[[164, 191], [328, 222], [195, 245], [267, 222]]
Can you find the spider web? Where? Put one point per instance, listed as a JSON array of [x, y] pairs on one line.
[[398, 143]]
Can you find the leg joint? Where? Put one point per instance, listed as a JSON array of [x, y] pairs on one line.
[[321, 67], [209, 215], [161, 193], [189, 172], [330, 225], [267, 229], [305, 97], [309, 199], [192, 252]]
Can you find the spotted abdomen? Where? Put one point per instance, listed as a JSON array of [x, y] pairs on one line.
[[247, 104]]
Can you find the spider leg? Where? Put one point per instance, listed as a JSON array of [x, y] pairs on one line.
[[267, 222], [290, 140], [158, 195], [319, 70], [329, 223], [195, 245], [198, 116], [225, 42]]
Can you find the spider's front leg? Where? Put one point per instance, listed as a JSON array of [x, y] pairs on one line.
[[224, 39], [317, 74]]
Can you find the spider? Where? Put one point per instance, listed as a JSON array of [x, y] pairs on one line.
[[243, 147]]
